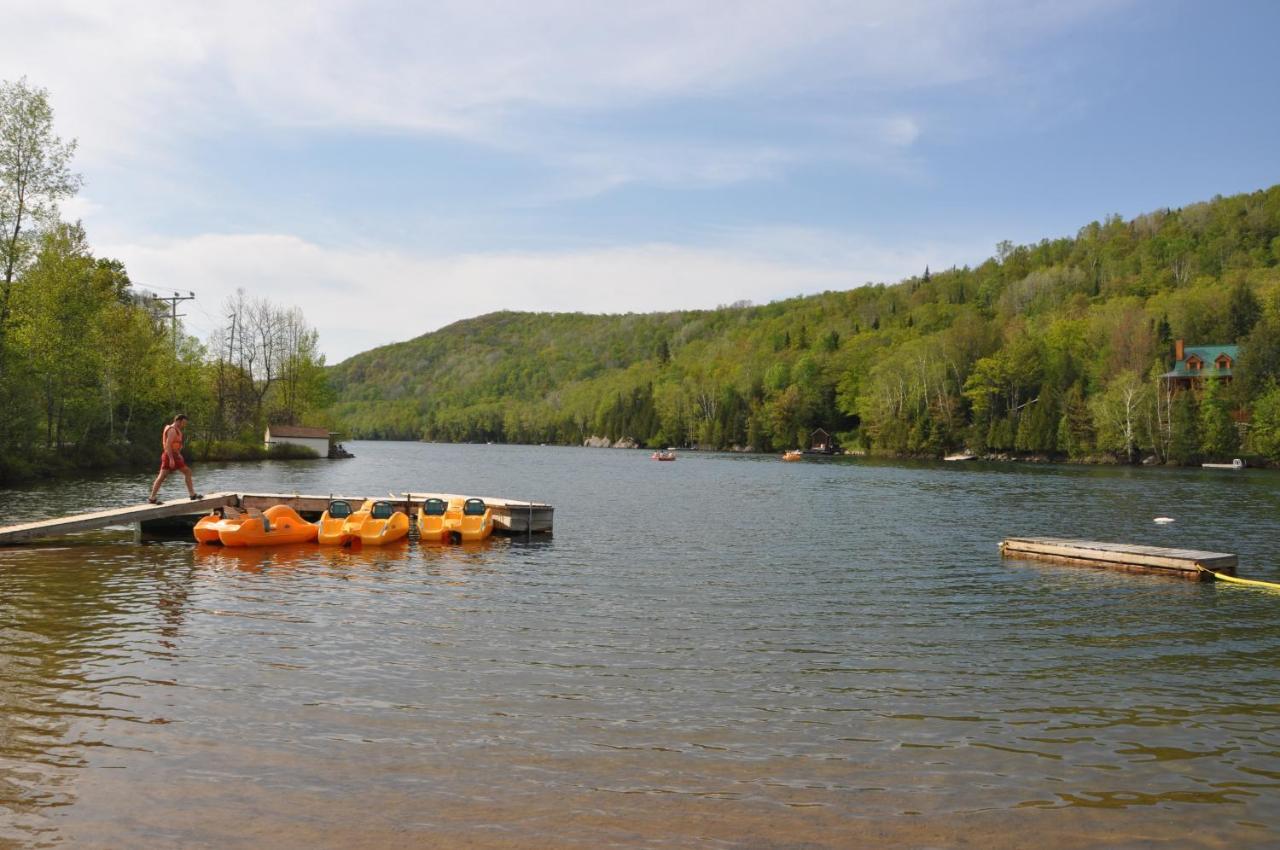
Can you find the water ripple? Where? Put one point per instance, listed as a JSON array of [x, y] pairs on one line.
[[723, 652]]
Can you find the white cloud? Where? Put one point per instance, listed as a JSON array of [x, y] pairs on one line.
[[605, 94], [130, 77], [359, 298], [78, 208]]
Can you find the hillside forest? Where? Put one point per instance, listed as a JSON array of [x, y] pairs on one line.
[[1051, 350], [91, 365]]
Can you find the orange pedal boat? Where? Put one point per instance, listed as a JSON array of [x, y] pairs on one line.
[[276, 526]]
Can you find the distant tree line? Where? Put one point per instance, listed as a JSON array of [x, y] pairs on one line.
[[1053, 349], [91, 365]]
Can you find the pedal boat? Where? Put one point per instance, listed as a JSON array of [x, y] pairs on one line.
[[377, 523], [431, 527], [278, 525], [468, 521], [331, 523], [206, 530]]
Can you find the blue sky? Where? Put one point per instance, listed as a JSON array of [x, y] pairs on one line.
[[391, 170]]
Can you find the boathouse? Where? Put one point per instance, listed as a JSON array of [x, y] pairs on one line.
[[820, 442], [316, 439], [1195, 364]]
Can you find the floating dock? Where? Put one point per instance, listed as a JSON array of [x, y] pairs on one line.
[[509, 515], [1180, 563]]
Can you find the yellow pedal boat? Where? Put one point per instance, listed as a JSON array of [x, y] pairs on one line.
[[468, 520], [377, 523], [431, 519], [276, 526], [331, 522]]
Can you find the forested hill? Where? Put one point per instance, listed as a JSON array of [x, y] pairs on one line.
[[1053, 348]]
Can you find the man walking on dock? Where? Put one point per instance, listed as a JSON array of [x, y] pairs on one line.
[[171, 458]]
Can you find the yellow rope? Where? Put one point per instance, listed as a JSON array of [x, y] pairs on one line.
[[1269, 585]]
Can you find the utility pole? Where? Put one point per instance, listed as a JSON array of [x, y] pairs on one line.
[[174, 300]]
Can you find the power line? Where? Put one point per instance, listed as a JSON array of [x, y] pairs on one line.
[[174, 300]]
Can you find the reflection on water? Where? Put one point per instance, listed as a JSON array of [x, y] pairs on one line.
[[728, 651]]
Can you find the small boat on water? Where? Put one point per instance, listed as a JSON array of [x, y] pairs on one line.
[[431, 527], [278, 525], [331, 523], [468, 520], [663, 454], [1237, 463], [206, 530], [376, 523], [794, 454]]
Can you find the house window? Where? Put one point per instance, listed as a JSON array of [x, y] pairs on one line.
[[1194, 363], [1223, 362]]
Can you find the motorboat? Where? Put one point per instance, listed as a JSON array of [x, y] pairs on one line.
[[667, 454], [794, 454]]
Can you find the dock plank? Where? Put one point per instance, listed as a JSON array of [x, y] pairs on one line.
[[27, 531], [1132, 557]]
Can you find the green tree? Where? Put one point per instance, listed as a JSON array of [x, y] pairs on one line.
[[35, 173], [1259, 365], [1184, 443], [1264, 431], [1038, 425], [1075, 425], [1218, 436], [60, 306], [1243, 311], [1119, 414]]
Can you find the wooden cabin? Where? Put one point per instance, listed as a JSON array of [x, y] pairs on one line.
[[820, 441], [1195, 364]]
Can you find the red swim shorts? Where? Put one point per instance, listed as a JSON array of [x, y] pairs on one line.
[[174, 465]]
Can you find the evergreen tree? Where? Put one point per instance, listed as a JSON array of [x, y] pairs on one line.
[[1218, 436], [1243, 311], [1264, 431], [1184, 444], [1075, 425]]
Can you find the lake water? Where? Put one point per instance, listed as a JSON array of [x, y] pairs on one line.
[[724, 652]]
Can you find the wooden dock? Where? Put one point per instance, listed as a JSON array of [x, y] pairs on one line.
[[509, 516], [1157, 560], [27, 531]]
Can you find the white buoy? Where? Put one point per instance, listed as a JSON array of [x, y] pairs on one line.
[[1164, 519]]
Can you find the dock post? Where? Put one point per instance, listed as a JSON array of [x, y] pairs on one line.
[[528, 529]]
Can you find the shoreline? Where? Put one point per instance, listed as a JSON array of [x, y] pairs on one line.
[[134, 459], [1250, 461]]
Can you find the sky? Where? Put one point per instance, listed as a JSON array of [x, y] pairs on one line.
[[392, 168]]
